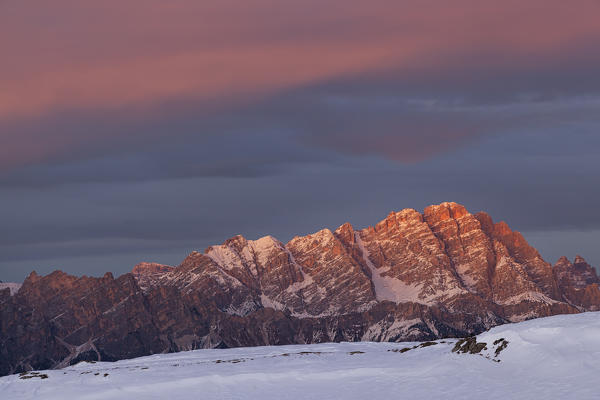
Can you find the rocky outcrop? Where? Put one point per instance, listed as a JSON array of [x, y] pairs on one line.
[[579, 283], [413, 276], [147, 273]]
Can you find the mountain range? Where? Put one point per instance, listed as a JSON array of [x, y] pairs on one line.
[[413, 276]]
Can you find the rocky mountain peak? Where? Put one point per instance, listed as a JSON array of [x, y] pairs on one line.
[[408, 215], [345, 233], [147, 273], [579, 260], [412, 276], [501, 229], [32, 277], [516, 244], [444, 211], [563, 261], [237, 242], [56, 280], [145, 268]]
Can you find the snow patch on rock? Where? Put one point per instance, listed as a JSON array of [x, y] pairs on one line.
[[389, 288], [13, 287], [527, 296]]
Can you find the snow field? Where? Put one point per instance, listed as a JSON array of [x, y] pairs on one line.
[[551, 358]]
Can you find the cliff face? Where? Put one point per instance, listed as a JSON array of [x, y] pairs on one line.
[[413, 276]]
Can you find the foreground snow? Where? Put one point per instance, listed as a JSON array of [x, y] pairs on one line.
[[551, 358]]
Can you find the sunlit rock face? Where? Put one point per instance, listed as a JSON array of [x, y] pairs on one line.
[[147, 273], [578, 282], [412, 276]]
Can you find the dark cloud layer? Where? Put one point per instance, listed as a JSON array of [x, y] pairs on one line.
[[535, 182]]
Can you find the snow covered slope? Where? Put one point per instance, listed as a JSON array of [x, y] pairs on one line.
[[552, 358], [14, 287]]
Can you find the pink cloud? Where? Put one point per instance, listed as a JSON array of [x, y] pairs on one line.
[[70, 55], [113, 53]]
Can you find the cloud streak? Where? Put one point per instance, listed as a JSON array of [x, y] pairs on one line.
[[86, 57]]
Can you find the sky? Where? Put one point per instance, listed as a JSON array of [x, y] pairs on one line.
[[138, 130]]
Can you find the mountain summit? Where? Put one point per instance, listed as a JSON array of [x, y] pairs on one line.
[[413, 276]]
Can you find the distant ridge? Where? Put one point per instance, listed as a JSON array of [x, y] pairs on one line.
[[413, 276]]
